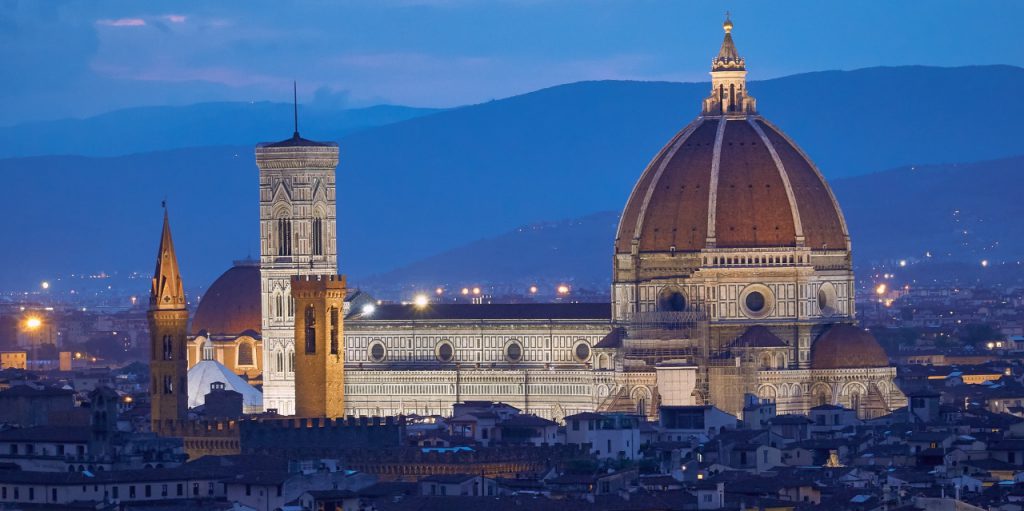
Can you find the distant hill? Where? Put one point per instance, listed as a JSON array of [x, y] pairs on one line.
[[960, 212], [143, 129], [425, 185]]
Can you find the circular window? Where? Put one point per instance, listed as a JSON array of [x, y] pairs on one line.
[[582, 351], [514, 351], [671, 299], [755, 301], [377, 351], [445, 352]]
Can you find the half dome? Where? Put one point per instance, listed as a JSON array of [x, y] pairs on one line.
[[845, 346], [232, 304]]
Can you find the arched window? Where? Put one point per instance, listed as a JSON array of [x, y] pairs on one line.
[[207, 350], [245, 357], [284, 236], [309, 323], [334, 330], [278, 305], [279, 366], [291, 306], [318, 236], [732, 97], [168, 348], [291, 361]]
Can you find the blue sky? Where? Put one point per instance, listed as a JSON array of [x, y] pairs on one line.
[[83, 57]]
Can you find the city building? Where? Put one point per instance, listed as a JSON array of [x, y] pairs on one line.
[[732, 275]]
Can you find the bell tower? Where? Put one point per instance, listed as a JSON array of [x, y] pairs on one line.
[[168, 322], [320, 350], [297, 237]]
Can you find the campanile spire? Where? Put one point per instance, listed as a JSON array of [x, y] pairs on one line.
[[728, 80], [167, 292]]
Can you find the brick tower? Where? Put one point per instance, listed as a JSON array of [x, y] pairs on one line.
[[319, 345], [168, 323]]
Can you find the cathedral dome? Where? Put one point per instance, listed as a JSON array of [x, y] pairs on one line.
[[730, 179], [232, 304], [845, 346]]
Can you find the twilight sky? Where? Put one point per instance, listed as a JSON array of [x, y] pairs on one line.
[[83, 57]]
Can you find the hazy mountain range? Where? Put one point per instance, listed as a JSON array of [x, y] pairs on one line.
[[431, 183], [958, 212]]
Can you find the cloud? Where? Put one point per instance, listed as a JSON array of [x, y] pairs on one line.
[[122, 22], [176, 18]]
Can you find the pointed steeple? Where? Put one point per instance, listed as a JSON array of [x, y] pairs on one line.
[[167, 292], [728, 81]]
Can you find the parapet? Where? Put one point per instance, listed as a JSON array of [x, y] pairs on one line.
[[315, 283]]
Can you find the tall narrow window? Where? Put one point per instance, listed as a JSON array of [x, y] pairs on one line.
[[245, 357], [279, 305], [284, 237], [318, 236], [310, 323], [291, 361], [334, 330], [168, 385], [732, 97], [207, 350], [280, 362], [168, 348], [291, 306]]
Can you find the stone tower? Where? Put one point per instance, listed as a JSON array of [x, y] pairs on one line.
[[168, 323], [297, 237], [320, 351]]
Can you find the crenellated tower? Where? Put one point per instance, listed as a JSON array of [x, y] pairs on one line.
[[320, 349], [297, 237], [168, 326]]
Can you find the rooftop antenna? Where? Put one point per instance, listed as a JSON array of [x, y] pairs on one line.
[[295, 103]]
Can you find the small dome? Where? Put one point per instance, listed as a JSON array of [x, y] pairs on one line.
[[758, 336], [207, 372], [845, 346], [232, 304]]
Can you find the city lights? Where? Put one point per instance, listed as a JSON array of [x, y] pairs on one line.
[[439, 291], [45, 285], [465, 291], [368, 309], [420, 300], [533, 290], [903, 263], [984, 263], [476, 290], [563, 289], [33, 322], [880, 290]]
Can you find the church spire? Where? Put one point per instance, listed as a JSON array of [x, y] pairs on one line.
[[728, 80], [167, 292]]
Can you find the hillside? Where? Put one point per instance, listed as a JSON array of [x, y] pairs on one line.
[[143, 129], [956, 212], [428, 184]]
